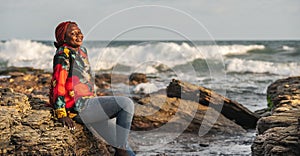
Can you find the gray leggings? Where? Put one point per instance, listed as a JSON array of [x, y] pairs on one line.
[[97, 114]]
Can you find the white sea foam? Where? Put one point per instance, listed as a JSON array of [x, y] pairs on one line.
[[5, 76], [238, 49], [148, 55], [287, 48], [168, 54], [241, 66], [145, 88], [26, 53]]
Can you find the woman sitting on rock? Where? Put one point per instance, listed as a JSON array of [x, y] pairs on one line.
[[72, 92]]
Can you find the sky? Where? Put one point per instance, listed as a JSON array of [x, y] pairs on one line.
[[153, 19]]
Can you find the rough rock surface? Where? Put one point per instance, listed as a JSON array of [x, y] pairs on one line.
[[29, 128], [26, 130], [279, 134], [158, 110], [137, 78], [229, 108]]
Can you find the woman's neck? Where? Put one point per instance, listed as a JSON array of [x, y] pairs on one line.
[[73, 48]]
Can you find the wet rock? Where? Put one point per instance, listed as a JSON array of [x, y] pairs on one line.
[[279, 134], [173, 114], [229, 108], [137, 78], [105, 80], [284, 119], [204, 144], [263, 112], [277, 141]]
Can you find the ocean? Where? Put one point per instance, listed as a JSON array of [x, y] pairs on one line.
[[239, 70]]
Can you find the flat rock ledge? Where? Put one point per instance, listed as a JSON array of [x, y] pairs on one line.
[[25, 130], [279, 134]]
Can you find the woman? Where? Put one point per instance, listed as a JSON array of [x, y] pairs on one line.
[[72, 92]]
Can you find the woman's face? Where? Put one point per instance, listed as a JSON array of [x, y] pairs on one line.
[[74, 36]]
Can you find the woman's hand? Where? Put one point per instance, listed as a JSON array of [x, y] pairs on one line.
[[68, 122]]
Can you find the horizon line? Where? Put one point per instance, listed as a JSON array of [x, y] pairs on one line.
[[283, 39]]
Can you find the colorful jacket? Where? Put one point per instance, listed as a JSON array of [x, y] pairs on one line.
[[71, 81]]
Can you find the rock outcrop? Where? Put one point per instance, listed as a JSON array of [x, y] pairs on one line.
[[158, 109], [229, 108], [26, 130], [279, 134], [137, 78], [29, 128]]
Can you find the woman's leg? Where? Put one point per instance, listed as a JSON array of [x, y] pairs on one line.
[[105, 129], [97, 111]]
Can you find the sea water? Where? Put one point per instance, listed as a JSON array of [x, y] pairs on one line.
[[239, 70]]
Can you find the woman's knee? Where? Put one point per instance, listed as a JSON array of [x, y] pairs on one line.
[[126, 103]]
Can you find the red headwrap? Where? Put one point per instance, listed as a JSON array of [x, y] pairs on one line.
[[60, 33]]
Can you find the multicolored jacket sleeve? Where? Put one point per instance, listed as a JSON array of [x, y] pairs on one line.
[[61, 67]]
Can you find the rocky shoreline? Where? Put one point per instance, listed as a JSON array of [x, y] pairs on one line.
[[28, 127], [279, 133]]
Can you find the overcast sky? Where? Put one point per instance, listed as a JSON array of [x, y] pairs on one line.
[[168, 19]]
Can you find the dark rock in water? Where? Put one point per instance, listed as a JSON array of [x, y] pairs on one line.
[[204, 144], [29, 131], [279, 134], [111, 78], [284, 119], [230, 109], [263, 112], [156, 110], [137, 78], [103, 80]]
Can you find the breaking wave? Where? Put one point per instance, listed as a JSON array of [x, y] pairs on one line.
[[155, 55]]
